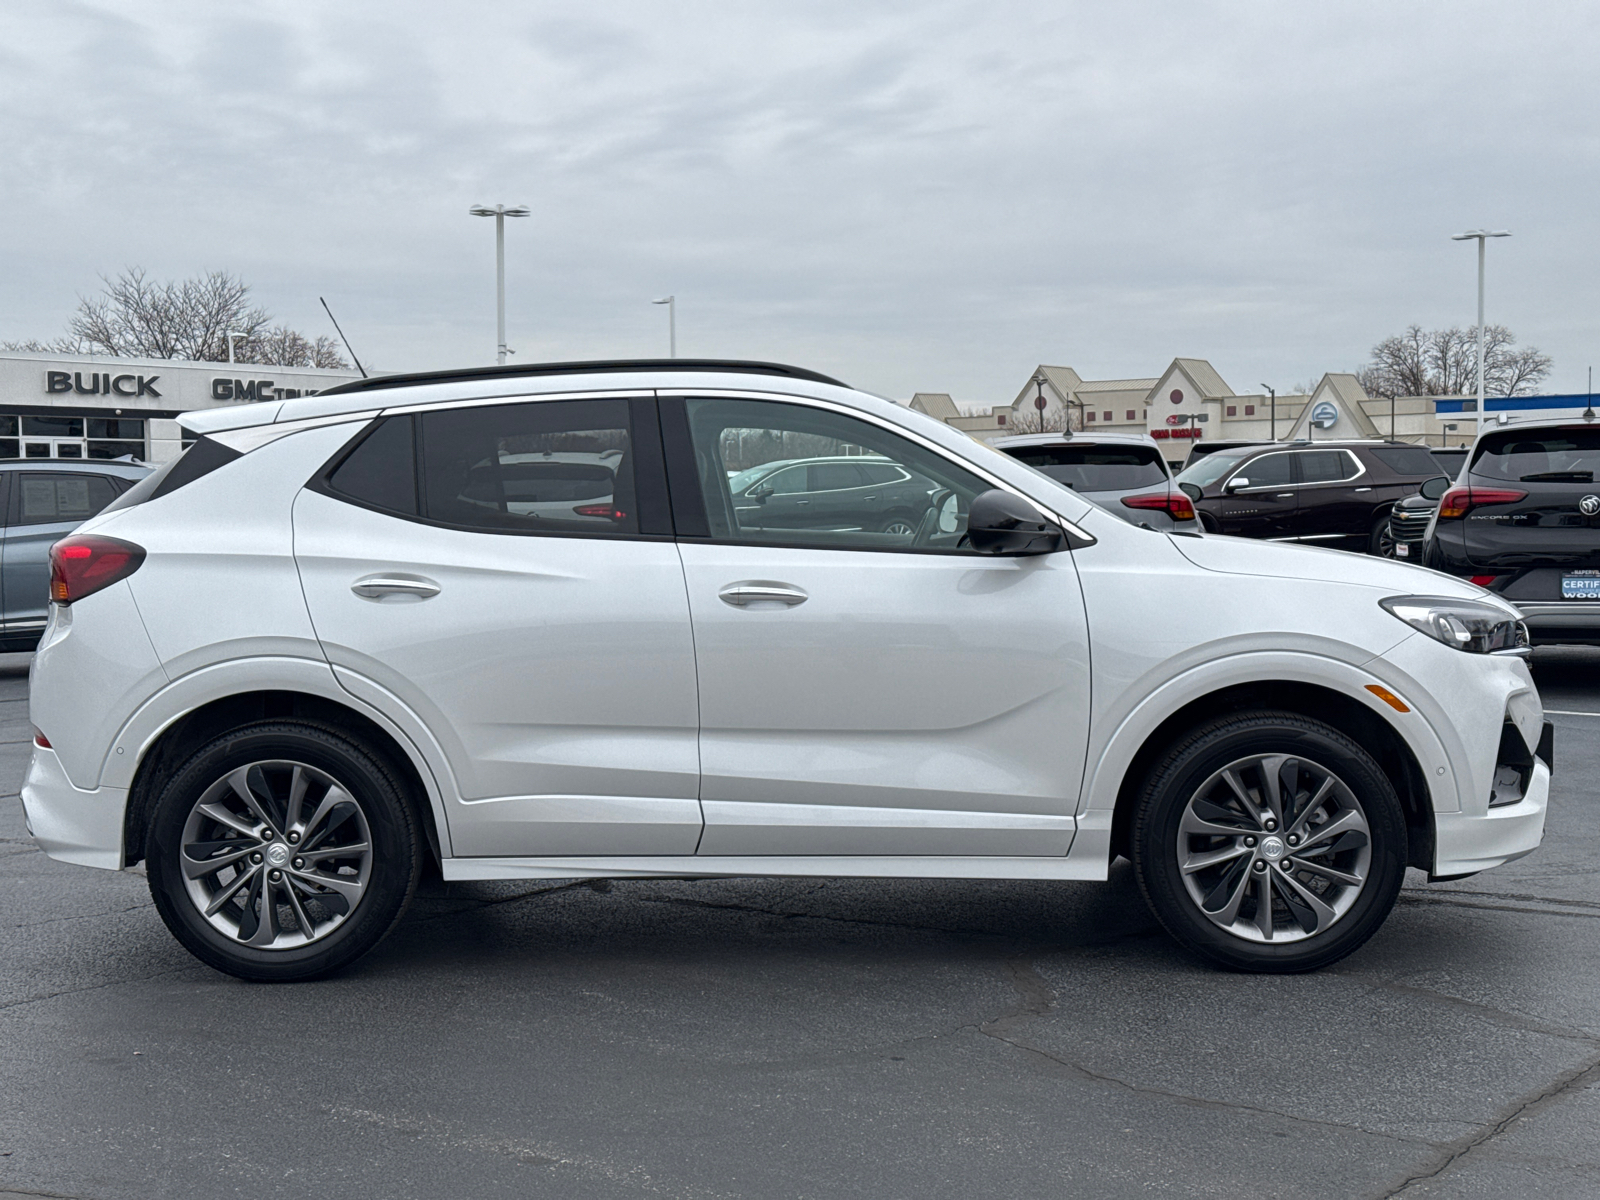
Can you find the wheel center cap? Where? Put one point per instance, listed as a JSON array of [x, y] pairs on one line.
[[1271, 848], [278, 854]]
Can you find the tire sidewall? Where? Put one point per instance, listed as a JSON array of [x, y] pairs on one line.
[[396, 857], [1178, 777]]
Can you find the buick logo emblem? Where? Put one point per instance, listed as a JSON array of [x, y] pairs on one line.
[[1589, 505]]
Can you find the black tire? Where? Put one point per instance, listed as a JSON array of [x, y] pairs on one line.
[[389, 871], [1380, 542], [1180, 777]]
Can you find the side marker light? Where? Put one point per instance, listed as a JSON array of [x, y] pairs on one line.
[[1388, 697]]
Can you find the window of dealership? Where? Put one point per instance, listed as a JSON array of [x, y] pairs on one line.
[[89, 406]]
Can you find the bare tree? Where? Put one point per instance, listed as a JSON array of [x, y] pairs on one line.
[[139, 317], [1027, 419], [1444, 362]]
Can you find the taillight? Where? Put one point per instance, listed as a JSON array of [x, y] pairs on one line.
[[81, 565], [39, 738], [1459, 501], [600, 510], [1175, 503], [1481, 580]]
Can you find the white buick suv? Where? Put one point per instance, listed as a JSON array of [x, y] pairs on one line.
[[514, 623]]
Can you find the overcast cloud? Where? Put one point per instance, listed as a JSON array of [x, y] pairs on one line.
[[912, 196]]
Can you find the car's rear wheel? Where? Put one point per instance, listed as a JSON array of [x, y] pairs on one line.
[[1381, 540], [899, 525], [1270, 842], [282, 850]]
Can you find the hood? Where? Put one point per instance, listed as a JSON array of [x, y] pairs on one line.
[[1284, 560]]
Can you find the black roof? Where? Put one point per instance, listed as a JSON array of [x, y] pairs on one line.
[[600, 367]]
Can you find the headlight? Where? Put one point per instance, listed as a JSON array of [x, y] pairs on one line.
[[1469, 625]]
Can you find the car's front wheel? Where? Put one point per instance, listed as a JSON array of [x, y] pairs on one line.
[[1268, 841], [282, 850]]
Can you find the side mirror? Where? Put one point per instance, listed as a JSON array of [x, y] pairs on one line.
[[761, 492], [1237, 482], [1190, 490], [1003, 523], [1434, 489]]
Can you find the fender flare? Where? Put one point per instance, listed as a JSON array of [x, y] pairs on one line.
[[314, 677]]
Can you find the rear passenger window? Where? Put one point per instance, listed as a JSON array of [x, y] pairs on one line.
[[1539, 455], [1324, 466], [556, 466], [44, 498]]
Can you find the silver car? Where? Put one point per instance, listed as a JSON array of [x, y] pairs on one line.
[[1123, 473]]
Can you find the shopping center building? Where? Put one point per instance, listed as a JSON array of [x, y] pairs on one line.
[[1189, 400], [96, 406]]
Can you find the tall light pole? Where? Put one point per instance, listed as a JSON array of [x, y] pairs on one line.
[[1481, 235], [500, 212], [672, 322], [230, 336], [1274, 411]]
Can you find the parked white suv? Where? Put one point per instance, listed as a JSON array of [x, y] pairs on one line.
[[349, 635]]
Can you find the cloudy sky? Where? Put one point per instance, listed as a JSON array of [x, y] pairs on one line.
[[912, 196]]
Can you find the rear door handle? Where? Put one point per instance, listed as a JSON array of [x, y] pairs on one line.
[[1284, 496], [749, 592], [376, 587], [1363, 489]]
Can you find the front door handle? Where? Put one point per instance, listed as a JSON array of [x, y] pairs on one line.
[[1364, 489], [748, 593], [1284, 496], [376, 587]]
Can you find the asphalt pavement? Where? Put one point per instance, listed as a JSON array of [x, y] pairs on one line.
[[755, 1038]]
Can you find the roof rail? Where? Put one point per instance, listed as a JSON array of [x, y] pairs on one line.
[[597, 367]]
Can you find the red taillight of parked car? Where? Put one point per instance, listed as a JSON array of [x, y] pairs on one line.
[[1175, 504], [80, 566], [1459, 501], [600, 510]]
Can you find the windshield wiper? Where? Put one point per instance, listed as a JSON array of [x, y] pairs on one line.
[[1558, 477]]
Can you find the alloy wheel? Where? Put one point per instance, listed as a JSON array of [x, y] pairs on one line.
[[276, 855], [1274, 848]]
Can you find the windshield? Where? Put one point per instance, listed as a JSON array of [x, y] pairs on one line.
[[1536, 456], [1095, 468], [1213, 467]]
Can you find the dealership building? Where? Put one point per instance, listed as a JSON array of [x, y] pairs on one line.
[[96, 406]]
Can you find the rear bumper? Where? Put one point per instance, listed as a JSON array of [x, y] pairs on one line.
[[1464, 844], [72, 825]]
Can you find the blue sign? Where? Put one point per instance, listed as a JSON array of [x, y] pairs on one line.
[[1325, 415]]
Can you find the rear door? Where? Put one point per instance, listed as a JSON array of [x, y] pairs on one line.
[[1335, 496], [536, 624], [43, 507]]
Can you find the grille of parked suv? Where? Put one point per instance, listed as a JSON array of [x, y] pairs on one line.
[[1410, 526]]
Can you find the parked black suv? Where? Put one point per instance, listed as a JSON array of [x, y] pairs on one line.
[[1523, 520], [1328, 493]]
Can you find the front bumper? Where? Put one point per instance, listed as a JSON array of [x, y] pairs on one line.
[[1465, 844], [1552, 622], [70, 824]]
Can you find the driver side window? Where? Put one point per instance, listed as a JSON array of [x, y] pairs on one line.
[[788, 474]]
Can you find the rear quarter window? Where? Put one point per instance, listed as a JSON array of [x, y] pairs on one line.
[[1406, 460]]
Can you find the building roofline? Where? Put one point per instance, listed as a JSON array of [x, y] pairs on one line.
[[594, 367]]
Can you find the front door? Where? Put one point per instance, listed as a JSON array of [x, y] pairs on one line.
[[1260, 498], [872, 692], [508, 573]]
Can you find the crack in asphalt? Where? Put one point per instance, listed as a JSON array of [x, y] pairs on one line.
[[1036, 1000], [1514, 1020], [112, 912], [1548, 1095], [96, 987]]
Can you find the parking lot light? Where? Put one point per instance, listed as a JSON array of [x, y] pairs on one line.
[[1481, 235], [499, 212]]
